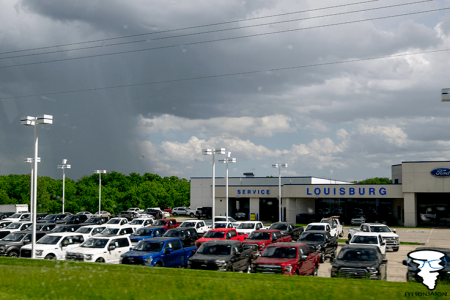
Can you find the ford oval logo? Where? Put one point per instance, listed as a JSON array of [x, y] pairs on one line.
[[441, 172]]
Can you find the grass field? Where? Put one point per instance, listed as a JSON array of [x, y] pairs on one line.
[[37, 279]]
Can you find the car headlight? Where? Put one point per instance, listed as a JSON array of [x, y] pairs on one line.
[[148, 261], [287, 269], [39, 252], [2, 249], [88, 256], [221, 263], [372, 270], [261, 246]]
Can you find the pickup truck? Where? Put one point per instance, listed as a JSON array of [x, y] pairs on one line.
[[321, 242], [158, 252], [368, 238], [221, 234], [288, 228], [166, 223], [335, 224], [146, 233], [360, 261], [53, 245], [199, 225], [100, 249], [322, 227], [11, 244], [258, 240], [248, 227], [187, 236], [287, 259], [221, 255], [391, 238], [17, 226]]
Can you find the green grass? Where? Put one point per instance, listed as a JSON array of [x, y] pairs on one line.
[[37, 279]]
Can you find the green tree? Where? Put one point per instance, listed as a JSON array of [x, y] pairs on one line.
[[375, 180]]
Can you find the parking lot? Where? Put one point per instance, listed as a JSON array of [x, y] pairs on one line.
[[396, 270]]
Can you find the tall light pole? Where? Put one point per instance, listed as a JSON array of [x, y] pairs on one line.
[[213, 152], [226, 161], [99, 172], [279, 166], [34, 121], [64, 166], [30, 161]]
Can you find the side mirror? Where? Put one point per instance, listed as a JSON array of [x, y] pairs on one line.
[[383, 243], [111, 247], [131, 248], [167, 251], [347, 242], [238, 254], [395, 230], [384, 261], [405, 263], [304, 257], [27, 241]]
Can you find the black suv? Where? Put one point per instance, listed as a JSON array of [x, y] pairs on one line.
[[322, 242], [73, 219], [96, 221], [4, 215], [11, 244], [129, 215], [66, 228], [204, 212], [187, 236], [52, 218], [157, 213], [360, 261]]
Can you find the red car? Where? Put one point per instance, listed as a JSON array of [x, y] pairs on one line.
[[166, 223], [259, 239], [168, 209], [221, 234], [287, 259]]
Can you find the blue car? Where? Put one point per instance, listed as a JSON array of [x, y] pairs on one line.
[[146, 233], [159, 252]]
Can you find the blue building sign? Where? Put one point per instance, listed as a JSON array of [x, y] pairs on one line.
[[346, 191], [253, 192], [441, 172]]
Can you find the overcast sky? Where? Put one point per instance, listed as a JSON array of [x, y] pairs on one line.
[[270, 81]]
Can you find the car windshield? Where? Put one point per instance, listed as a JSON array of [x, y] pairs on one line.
[[214, 234], [174, 233], [95, 243], [49, 217], [60, 229], [113, 231], [148, 246], [215, 249], [358, 254], [16, 216], [246, 226], [136, 222], [313, 237], [114, 221], [14, 226], [84, 230], [278, 226], [92, 220], [315, 227], [143, 232], [280, 252], [49, 240], [224, 219], [67, 218], [379, 229], [14, 237], [188, 224], [259, 236], [359, 239], [220, 225], [160, 223]]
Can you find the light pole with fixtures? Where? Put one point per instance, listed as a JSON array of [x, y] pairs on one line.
[[64, 166], [99, 172], [279, 166], [227, 160], [30, 161], [213, 152], [34, 121]]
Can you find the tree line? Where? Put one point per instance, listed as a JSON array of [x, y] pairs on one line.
[[118, 192]]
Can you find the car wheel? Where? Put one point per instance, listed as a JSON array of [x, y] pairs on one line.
[[316, 271], [322, 257], [158, 265], [50, 256], [349, 237], [13, 254], [100, 260], [230, 269], [174, 213], [192, 215], [396, 249], [342, 233]]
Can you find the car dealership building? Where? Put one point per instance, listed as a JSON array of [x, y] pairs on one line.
[[418, 196]]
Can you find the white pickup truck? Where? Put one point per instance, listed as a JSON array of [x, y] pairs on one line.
[[390, 236], [248, 227], [368, 238], [335, 224], [322, 227]]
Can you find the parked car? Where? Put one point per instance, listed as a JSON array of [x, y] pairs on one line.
[[134, 209], [287, 259], [335, 225], [117, 230], [156, 213], [117, 222], [391, 238], [17, 217], [288, 228], [204, 212], [159, 252], [73, 219], [15, 226], [224, 219], [321, 242], [88, 214], [11, 244], [141, 222], [129, 215], [53, 245], [322, 227], [100, 249], [39, 216], [220, 234], [180, 211], [240, 215], [44, 227], [4, 215], [360, 261], [442, 273], [248, 227], [258, 240], [223, 225], [146, 232], [66, 228], [52, 218], [358, 220], [168, 209], [102, 213], [95, 221], [3, 224], [199, 225], [187, 236], [167, 223], [90, 231], [368, 238], [221, 255]]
